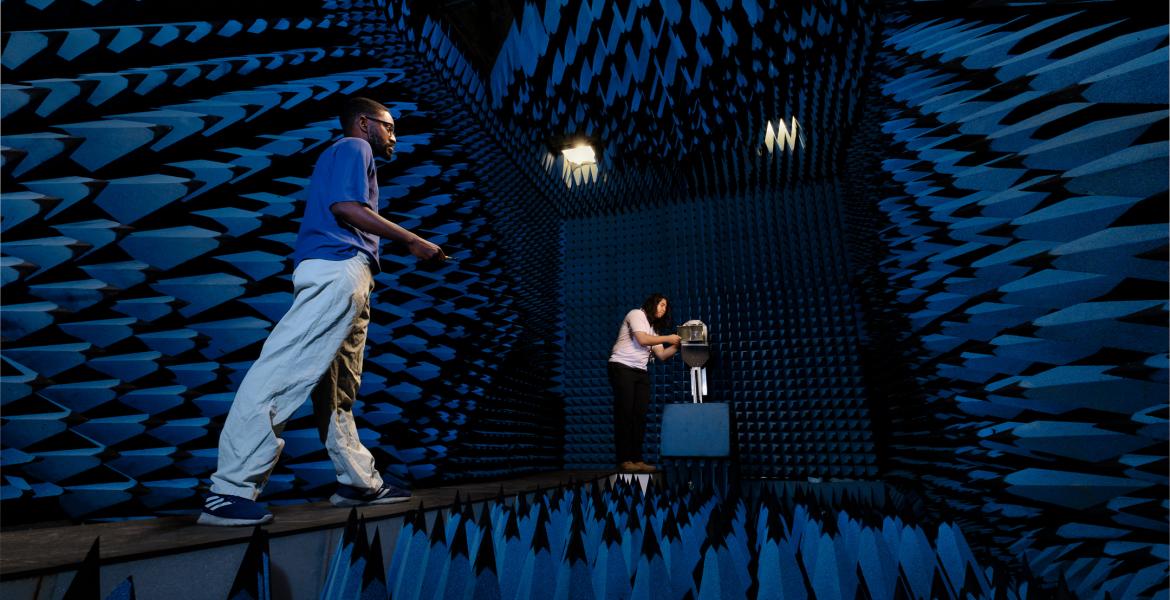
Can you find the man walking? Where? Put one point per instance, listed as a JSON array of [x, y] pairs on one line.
[[316, 348]]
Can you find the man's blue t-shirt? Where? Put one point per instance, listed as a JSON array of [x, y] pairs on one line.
[[345, 172]]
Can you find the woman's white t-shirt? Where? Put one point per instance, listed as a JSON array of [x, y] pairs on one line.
[[626, 350]]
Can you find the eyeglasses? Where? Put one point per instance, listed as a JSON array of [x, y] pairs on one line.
[[389, 125]]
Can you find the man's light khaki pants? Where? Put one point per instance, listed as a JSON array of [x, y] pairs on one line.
[[315, 350]]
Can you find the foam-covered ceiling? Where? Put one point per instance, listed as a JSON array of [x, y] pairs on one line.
[[670, 82]]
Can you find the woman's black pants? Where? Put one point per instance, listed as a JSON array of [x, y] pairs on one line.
[[631, 398]]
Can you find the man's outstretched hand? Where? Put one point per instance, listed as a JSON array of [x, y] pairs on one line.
[[425, 250]]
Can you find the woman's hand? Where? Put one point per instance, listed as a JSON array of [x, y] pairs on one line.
[[673, 339]]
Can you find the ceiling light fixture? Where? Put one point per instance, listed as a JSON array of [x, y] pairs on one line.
[[581, 154]]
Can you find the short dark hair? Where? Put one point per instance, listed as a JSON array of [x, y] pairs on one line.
[[650, 306], [357, 106]]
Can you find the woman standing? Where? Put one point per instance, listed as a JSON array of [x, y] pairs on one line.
[[631, 383]]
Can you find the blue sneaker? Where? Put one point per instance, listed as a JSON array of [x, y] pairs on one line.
[[351, 496], [226, 510]]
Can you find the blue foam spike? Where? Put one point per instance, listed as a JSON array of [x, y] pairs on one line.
[[181, 124], [1066, 151], [230, 335], [349, 568], [651, 580], [170, 491], [83, 396], [402, 576], [574, 581], [280, 483], [277, 206], [130, 198], [437, 558], [300, 442], [112, 430], [15, 386], [21, 431], [1061, 389], [71, 190], [153, 401], [1134, 171], [195, 374], [1052, 287], [136, 463], [202, 292], [915, 560], [19, 207], [950, 540], [779, 573], [73, 296], [1140, 80], [486, 586], [109, 85], [216, 405], [209, 174], [272, 306], [227, 112], [122, 275], [201, 462], [252, 161], [456, 581], [101, 333], [1078, 491], [611, 577], [10, 492], [256, 264], [127, 367], [146, 309], [1082, 441], [1098, 251], [199, 30], [682, 564], [510, 551], [50, 360], [45, 253], [315, 474], [170, 343], [1100, 57], [108, 140], [631, 541], [231, 28], [165, 35], [220, 68], [19, 320], [126, 37], [454, 525], [236, 372], [877, 563], [169, 248], [14, 97], [282, 145], [61, 92], [57, 465], [22, 46], [80, 500], [824, 575], [238, 222], [181, 431], [98, 234], [152, 79]]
